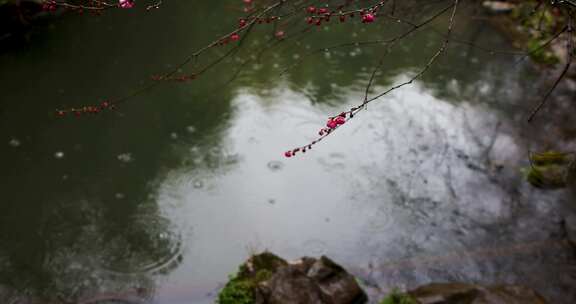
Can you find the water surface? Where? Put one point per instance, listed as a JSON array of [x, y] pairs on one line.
[[161, 199]]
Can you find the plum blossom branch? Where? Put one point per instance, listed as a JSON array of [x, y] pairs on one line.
[[335, 122]]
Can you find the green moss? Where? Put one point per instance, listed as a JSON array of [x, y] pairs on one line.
[[240, 288], [236, 292], [549, 169], [263, 261], [262, 275], [541, 55], [550, 158], [396, 297]]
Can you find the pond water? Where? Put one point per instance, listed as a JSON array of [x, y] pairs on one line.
[[161, 199]]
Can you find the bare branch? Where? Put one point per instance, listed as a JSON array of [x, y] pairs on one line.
[[569, 54]]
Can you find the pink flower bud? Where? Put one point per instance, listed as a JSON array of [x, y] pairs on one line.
[[331, 124], [126, 3], [368, 18]]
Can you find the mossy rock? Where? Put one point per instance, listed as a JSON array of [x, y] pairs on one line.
[[259, 263], [267, 279], [396, 297], [237, 291], [241, 287], [550, 170]]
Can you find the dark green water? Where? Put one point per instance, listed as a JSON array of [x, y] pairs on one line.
[[161, 199]]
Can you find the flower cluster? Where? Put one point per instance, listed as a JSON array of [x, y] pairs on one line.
[[49, 6], [248, 6], [178, 78], [323, 14], [126, 3], [332, 124], [105, 105]]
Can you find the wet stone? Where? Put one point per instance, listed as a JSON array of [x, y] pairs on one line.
[[305, 281]]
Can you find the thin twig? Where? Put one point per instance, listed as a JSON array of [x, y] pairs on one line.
[[570, 50]]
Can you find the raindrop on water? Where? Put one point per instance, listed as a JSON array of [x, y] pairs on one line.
[[275, 165]]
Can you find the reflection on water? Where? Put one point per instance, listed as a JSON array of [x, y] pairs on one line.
[[162, 199]]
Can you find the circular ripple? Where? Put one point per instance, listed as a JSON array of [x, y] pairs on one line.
[[275, 165], [145, 251]]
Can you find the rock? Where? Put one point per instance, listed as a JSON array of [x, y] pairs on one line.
[[269, 279], [458, 293], [335, 282], [290, 286], [551, 170], [311, 280]]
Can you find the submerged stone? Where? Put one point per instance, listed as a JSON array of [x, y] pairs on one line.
[[459, 293], [550, 170]]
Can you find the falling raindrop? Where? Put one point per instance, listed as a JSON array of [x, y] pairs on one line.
[[198, 184], [125, 157], [59, 155], [14, 142]]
